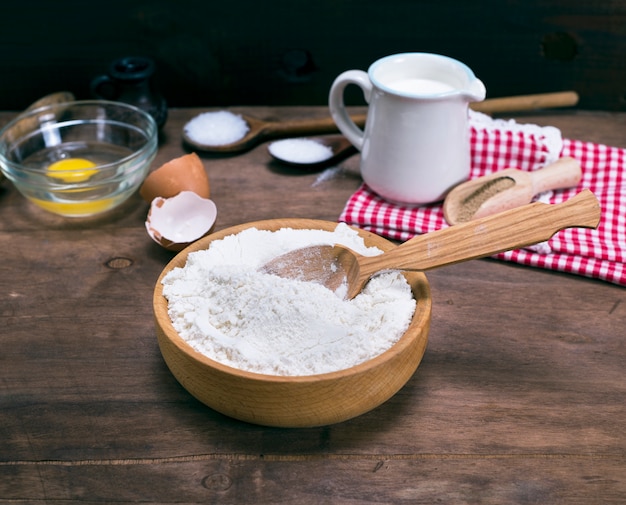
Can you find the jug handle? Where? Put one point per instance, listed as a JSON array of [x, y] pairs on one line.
[[337, 106], [103, 87]]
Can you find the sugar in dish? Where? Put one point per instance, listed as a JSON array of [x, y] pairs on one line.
[[217, 128], [226, 309], [312, 153], [300, 150]]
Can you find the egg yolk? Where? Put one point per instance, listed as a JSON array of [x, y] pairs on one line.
[[76, 208], [72, 169]]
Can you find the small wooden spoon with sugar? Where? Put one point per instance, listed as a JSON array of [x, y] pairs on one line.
[[260, 130], [507, 189]]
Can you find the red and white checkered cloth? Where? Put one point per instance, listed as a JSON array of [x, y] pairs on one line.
[[499, 144]]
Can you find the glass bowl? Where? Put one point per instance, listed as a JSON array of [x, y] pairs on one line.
[[80, 158]]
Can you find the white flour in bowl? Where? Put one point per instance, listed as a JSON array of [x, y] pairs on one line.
[[229, 311]]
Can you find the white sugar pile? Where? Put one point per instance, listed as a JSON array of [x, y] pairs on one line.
[[229, 311], [300, 150], [216, 128]]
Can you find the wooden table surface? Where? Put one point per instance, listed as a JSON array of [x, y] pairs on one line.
[[520, 397]]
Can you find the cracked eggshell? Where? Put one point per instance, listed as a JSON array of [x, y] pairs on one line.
[[176, 222], [185, 173]]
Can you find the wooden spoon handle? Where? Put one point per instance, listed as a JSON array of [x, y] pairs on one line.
[[299, 127], [526, 102], [512, 229], [563, 173]]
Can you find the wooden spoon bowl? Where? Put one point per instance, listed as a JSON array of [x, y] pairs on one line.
[[31, 124], [340, 147], [294, 401]]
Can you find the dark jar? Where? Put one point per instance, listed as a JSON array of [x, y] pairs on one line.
[[129, 80]]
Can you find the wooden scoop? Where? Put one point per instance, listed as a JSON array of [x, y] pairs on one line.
[[337, 266], [506, 189]]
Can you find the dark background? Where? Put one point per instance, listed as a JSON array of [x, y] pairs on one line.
[[287, 52]]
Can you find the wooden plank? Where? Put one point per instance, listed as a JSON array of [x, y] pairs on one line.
[[346, 479]]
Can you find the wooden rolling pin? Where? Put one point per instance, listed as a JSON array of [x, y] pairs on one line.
[[526, 102]]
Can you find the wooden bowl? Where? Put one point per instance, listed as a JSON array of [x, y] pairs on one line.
[[293, 401]]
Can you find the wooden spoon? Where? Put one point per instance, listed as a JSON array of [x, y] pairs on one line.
[[32, 123], [336, 266], [260, 130], [51, 99], [506, 189], [339, 146], [526, 102]]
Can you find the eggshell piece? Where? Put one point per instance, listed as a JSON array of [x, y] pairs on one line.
[[185, 173], [176, 222]]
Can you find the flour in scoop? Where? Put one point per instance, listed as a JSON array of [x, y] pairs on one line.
[[229, 311]]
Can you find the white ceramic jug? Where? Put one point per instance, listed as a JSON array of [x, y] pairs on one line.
[[415, 145]]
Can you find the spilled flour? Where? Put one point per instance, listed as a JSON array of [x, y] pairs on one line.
[[229, 311]]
